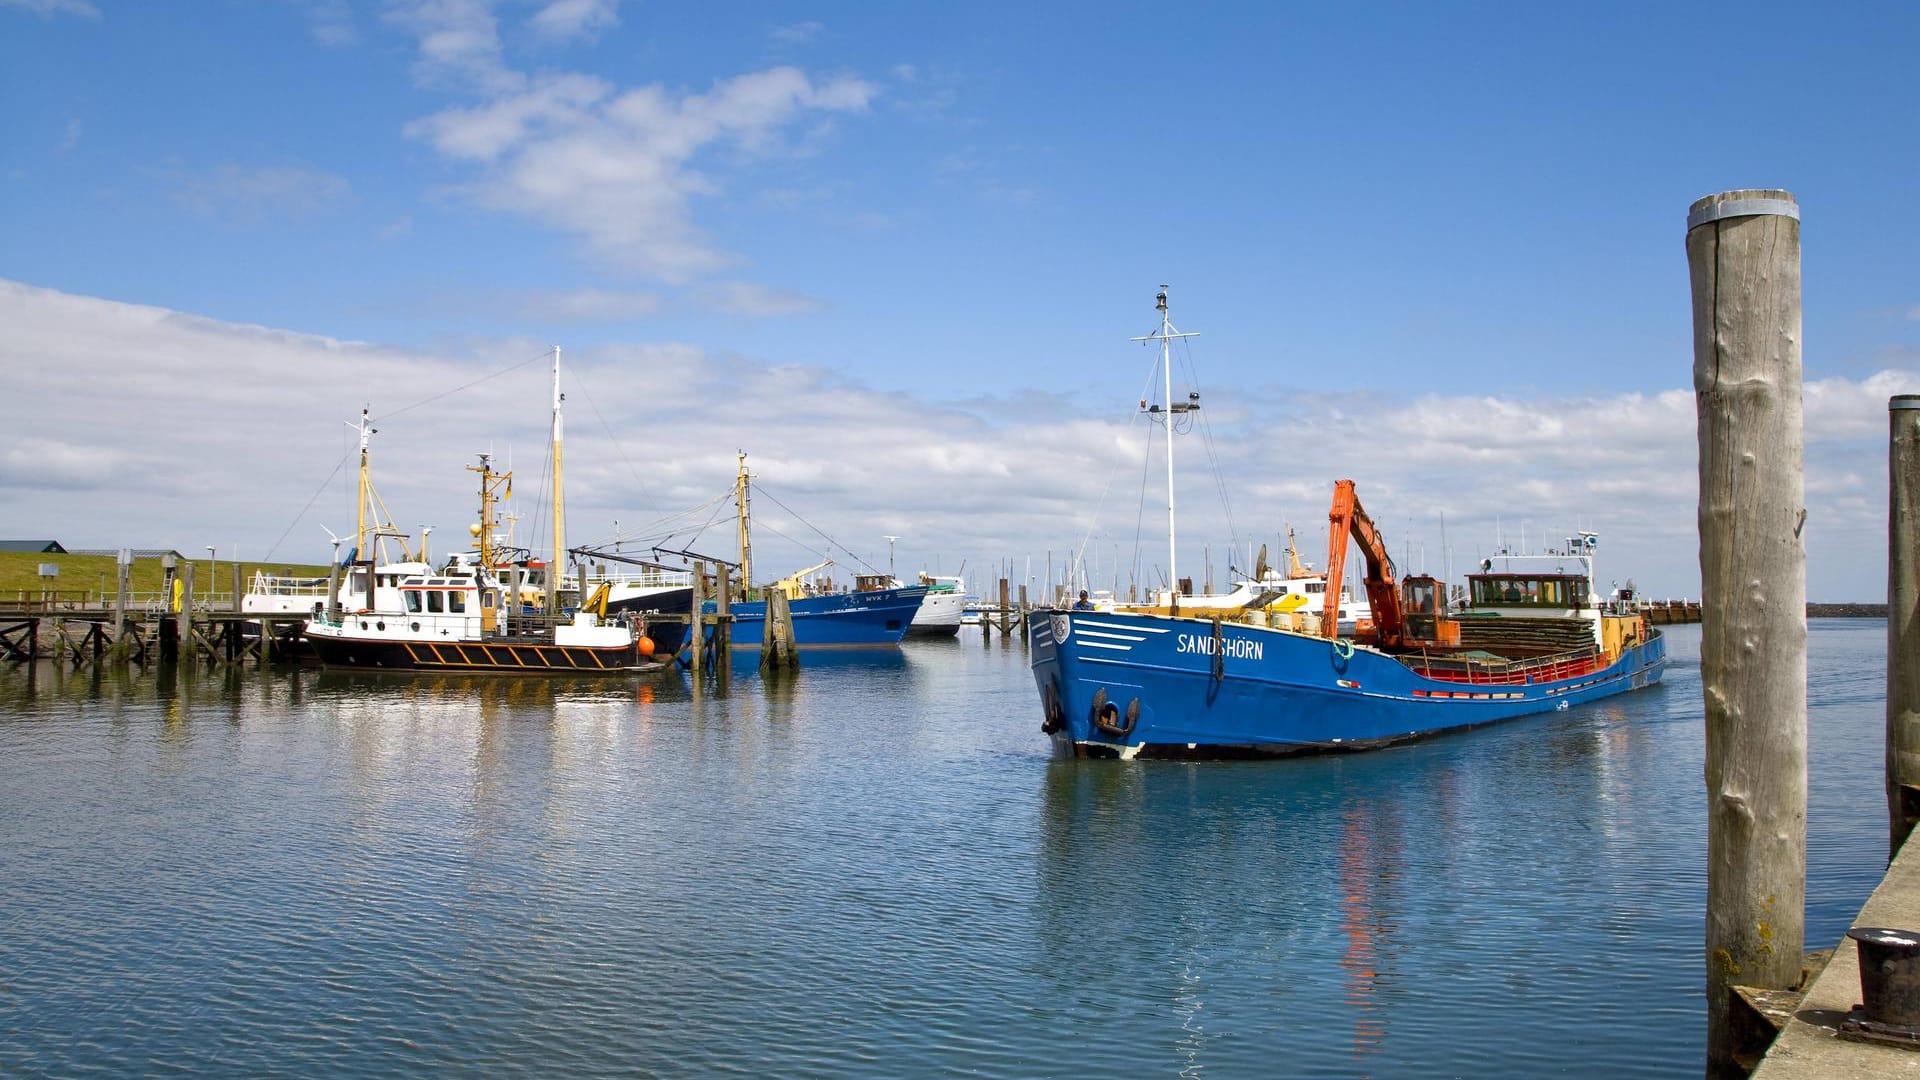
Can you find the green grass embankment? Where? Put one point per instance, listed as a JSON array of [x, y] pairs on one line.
[[94, 575]]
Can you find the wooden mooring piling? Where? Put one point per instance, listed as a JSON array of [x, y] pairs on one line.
[[1743, 251]]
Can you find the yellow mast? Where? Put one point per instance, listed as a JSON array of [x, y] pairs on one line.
[[490, 483], [361, 553], [360, 527], [1294, 567], [741, 496], [559, 511]]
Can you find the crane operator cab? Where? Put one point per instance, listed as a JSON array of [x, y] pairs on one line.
[[1424, 613]]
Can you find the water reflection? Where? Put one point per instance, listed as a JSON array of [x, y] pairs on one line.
[[869, 867], [1367, 858], [1338, 877]]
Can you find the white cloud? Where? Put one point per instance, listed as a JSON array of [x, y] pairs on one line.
[[459, 44], [615, 168], [568, 20], [244, 194], [47, 9], [756, 301], [983, 481], [589, 305], [59, 464], [329, 22], [796, 33]]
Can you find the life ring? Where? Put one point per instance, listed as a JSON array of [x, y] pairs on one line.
[[1343, 648]]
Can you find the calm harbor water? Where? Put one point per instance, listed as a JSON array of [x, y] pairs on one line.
[[873, 869]]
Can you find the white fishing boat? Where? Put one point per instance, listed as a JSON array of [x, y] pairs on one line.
[[940, 612], [478, 613], [369, 576]]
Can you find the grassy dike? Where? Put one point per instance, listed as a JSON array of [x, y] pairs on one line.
[[95, 574]]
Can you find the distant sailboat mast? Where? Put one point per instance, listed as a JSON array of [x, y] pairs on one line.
[[1165, 336]]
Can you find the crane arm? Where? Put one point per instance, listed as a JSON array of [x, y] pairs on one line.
[[791, 584], [1349, 521]]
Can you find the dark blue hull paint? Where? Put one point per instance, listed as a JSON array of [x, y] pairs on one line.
[[837, 621], [1272, 692]]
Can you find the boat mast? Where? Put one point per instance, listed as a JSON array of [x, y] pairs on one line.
[[1165, 336], [491, 483], [360, 527], [361, 551], [741, 497], [559, 506]]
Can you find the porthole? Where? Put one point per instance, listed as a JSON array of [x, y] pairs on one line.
[[381, 625], [416, 627]]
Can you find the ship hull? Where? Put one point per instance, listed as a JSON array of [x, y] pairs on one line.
[[855, 620], [1145, 685], [667, 636], [497, 655]]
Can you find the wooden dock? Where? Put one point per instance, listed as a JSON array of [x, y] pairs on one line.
[[88, 634]]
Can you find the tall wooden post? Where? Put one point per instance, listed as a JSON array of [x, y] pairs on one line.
[[723, 623], [1005, 622], [240, 593], [696, 615], [171, 610], [123, 585], [186, 608], [777, 647], [1903, 618], [1743, 250], [333, 591]]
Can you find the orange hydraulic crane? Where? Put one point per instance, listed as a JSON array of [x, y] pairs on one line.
[[1348, 520]]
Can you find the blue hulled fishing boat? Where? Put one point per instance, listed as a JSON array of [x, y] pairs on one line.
[[843, 620], [1268, 679], [875, 614]]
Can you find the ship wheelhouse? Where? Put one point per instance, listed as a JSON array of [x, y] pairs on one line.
[[1523, 590]]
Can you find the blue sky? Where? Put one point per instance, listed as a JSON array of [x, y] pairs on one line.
[[1396, 228]]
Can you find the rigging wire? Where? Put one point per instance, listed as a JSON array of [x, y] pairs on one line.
[[384, 416], [762, 489], [604, 426], [1146, 466], [324, 484], [467, 386], [1100, 506], [1213, 453]]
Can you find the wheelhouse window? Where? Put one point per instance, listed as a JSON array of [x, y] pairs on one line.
[[1528, 590], [436, 602], [457, 602], [413, 600]]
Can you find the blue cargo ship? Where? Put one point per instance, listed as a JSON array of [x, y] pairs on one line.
[[1517, 641], [1244, 675], [1126, 685]]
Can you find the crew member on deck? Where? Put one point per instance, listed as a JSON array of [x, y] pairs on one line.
[[1083, 604]]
